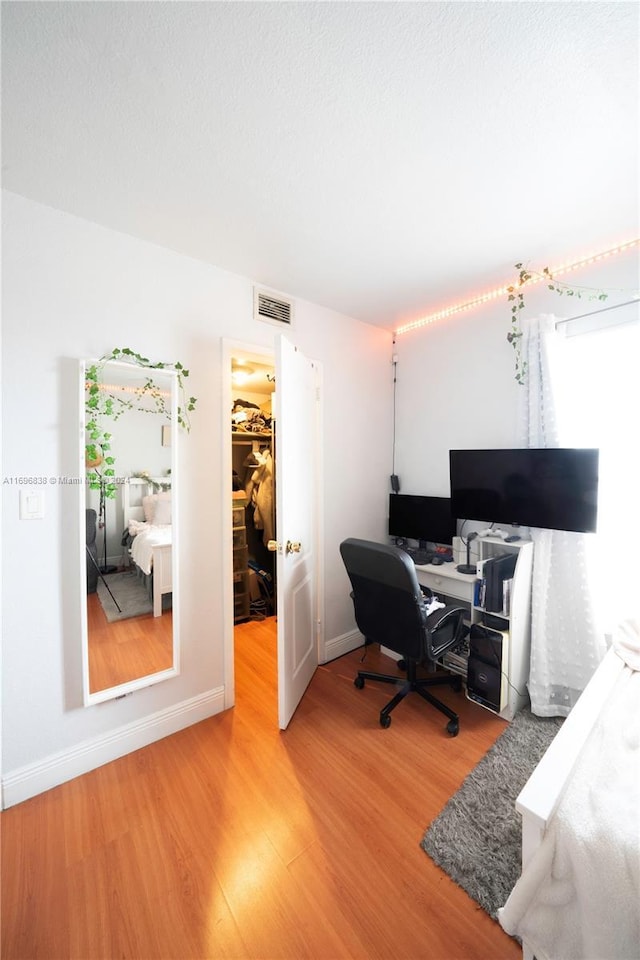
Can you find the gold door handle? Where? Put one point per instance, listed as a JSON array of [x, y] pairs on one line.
[[292, 546]]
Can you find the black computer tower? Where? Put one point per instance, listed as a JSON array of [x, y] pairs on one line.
[[487, 669]]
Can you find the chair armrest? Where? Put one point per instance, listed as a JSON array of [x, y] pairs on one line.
[[439, 638], [433, 620]]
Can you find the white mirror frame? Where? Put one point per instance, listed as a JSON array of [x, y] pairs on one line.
[[111, 693]]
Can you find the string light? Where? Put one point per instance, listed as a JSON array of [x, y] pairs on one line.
[[504, 289], [123, 388]]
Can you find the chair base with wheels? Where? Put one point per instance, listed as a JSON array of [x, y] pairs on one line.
[[414, 684]]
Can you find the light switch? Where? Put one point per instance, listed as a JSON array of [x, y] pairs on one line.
[[31, 505]]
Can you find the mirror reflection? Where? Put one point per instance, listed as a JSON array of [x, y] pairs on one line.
[[130, 531]]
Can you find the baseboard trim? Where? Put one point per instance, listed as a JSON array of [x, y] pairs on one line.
[[57, 768], [342, 644]]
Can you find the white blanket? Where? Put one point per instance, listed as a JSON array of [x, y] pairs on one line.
[[579, 897], [147, 537]]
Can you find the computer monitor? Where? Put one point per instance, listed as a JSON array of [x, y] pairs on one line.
[[554, 488], [419, 518]]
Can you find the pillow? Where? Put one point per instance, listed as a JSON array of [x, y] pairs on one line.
[[150, 502], [162, 512]]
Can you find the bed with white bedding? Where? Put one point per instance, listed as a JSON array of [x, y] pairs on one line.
[[579, 892], [147, 516]]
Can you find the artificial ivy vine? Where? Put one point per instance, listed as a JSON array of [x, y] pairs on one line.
[[101, 406], [516, 299]]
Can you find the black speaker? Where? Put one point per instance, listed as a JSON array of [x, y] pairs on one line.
[[487, 668]]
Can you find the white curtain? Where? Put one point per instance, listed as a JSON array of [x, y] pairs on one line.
[[598, 405], [566, 644]]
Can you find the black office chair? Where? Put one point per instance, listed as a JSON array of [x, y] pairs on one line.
[[390, 609]]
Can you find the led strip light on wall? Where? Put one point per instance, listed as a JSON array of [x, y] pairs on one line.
[[123, 388], [504, 289]]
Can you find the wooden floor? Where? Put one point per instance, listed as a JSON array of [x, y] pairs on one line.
[[126, 649], [234, 840]]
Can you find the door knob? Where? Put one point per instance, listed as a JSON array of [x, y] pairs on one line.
[[293, 546]]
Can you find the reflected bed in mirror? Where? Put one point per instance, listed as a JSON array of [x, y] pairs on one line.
[[129, 596]]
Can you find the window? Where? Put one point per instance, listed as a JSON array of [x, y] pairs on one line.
[[598, 405]]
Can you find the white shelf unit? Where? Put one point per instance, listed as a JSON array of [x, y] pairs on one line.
[[447, 583]]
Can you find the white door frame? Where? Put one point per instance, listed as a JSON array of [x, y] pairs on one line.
[[228, 349]]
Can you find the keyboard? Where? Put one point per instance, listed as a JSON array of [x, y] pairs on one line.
[[420, 557]]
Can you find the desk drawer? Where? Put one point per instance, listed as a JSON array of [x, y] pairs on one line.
[[451, 586]]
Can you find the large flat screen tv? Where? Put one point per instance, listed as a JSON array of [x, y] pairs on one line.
[[421, 518], [554, 488]]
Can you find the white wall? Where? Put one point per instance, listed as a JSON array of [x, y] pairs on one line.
[[72, 289], [456, 386]]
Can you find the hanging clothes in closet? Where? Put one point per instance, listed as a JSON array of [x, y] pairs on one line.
[[259, 490]]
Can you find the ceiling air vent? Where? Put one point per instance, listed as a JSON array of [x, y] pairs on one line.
[[272, 308]]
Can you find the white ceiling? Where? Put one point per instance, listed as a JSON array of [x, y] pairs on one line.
[[382, 159]]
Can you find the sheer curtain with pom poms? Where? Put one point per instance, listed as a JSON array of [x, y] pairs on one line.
[[566, 644]]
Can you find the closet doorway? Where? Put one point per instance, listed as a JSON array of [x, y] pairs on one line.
[[288, 470], [253, 486], [249, 463]]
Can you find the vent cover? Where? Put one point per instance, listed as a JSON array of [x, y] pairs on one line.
[[272, 308]]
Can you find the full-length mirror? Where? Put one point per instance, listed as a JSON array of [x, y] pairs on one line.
[[129, 527]]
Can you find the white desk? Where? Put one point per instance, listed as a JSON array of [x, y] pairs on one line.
[[448, 584]]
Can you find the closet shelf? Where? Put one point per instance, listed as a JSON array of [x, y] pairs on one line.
[[250, 435]]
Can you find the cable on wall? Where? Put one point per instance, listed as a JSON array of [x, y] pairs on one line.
[[395, 480]]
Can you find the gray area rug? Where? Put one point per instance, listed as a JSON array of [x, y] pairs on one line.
[[476, 838], [129, 591]]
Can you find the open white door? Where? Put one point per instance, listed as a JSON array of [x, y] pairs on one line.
[[297, 476]]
